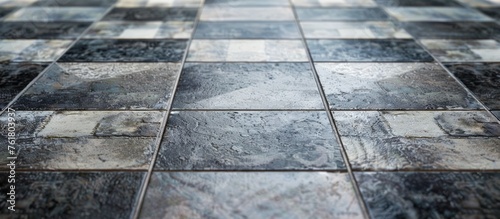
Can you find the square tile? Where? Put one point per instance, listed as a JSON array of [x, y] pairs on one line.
[[157, 3], [246, 3], [49, 14], [102, 86], [250, 195], [341, 14], [464, 50], [368, 50], [32, 50], [247, 51], [334, 3], [419, 3], [69, 3], [247, 30], [140, 30], [151, 14], [248, 140], [492, 12], [483, 79], [453, 30], [108, 50], [247, 86], [481, 3], [353, 30], [436, 14], [14, 77], [247, 14], [392, 86], [420, 140], [42, 30]]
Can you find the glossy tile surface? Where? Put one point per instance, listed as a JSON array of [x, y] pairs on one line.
[[151, 14], [247, 14], [32, 50], [334, 3], [464, 50], [157, 3], [247, 30], [246, 3], [341, 14], [14, 77], [140, 30], [419, 3], [67, 3], [42, 30], [481, 3], [49, 14], [436, 14], [453, 30], [352, 30]]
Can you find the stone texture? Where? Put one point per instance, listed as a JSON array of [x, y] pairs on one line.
[[353, 30], [341, 14], [14, 77], [464, 50], [247, 30], [32, 50], [436, 14]]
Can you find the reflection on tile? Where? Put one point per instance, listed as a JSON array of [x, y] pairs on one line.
[[247, 86], [367, 50], [436, 14], [247, 50], [250, 195], [125, 51], [83, 139], [102, 86], [341, 14], [334, 3], [391, 86], [464, 50], [232, 3], [453, 30], [42, 30], [492, 12], [141, 30], [249, 140], [483, 79], [48, 14], [16, 3], [420, 140], [431, 195], [69, 3], [247, 14], [14, 77], [481, 3], [72, 194], [419, 3], [151, 14], [247, 30], [353, 30], [32, 50]]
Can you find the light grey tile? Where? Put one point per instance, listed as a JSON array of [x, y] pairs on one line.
[[436, 14], [157, 3], [334, 3], [140, 30], [341, 14], [353, 30], [247, 14], [464, 50], [248, 30], [48, 14], [32, 50], [481, 3]]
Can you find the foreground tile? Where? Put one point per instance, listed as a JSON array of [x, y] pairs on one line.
[[334, 3], [430, 195], [247, 14], [247, 86], [102, 86], [483, 79], [464, 50], [106, 50], [72, 194], [141, 30], [353, 30], [42, 30], [247, 51], [419, 3], [367, 50], [420, 140], [250, 195], [245, 3], [14, 77], [392, 86], [436, 14], [247, 30], [481, 3], [49, 14], [151, 14], [68, 3], [453, 30], [249, 141], [157, 3], [341, 14], [32, 50]]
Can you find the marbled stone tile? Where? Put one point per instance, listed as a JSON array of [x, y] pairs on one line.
[[419, 3], [481, 3], [496, 113], [436, 14], [72, 194], [431, 195], [453, 30], [6, 11], [341, 14], [72, 3], [394, 50], [16, 3], [141, 30], [247, 51], [334, 3], [108, 50], [483, 79], [443, 140], [289, 195], [151, 14], [392, 86], [42, 30], [464, 50], [14, 77], [353, 30], [245, 3], [247, 14], [102, 86], [249, 141], [49, 140], [247, 86], [492, 12], [157, 3], [247, 30], [49, 14], [32, 50]]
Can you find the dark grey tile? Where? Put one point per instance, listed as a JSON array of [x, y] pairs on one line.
[[50, 14], [140, 30], [232, 3], [353, 30], [71, 194], [247, 30], [492, 12], [483, 79], [341, 14], [6, 10], [453, 30], [457, 50], [368, 50], [42, 30], [69, 3], [430, 195], [249, 141], [436, 14], [14, 77], [247, 86], [100, 50], [151, 14], [481, 3], [247, 14], [419, 3], [497, 114]]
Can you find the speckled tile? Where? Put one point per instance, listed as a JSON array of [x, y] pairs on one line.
[[141, 30], [483, 79], [436, 14], [157, 3], [334, 3], [247, 14], [49, 14], [453, 30], [481, 3], [16, 3], [394, 50], [121, 50], [247, 86], [289, 195], [431, 195], [464, 50], [48, 140], [151, 14], [419, 3], [247, 51], [492, 12], [418, 140], [392, 86], [102, 86], [42, 30], [249, 141], [72, 3], [14, 77], [341, 14], [353, 30], [32, 50], [247, 30], [246, 3], [72, 194]]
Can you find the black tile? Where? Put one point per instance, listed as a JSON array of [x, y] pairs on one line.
[[492, 12], [453, 30], [151, 14], [418, 3], [247, 30], [14, 77], [42, 30], [341, 14], [70, 3]]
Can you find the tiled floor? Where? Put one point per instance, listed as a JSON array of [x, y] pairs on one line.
[[250, 108]]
